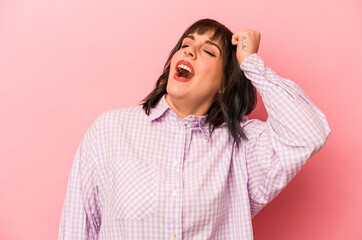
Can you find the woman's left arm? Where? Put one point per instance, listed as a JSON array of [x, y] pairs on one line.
[[294, 131]]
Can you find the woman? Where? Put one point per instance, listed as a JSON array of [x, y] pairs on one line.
[[189, 164]]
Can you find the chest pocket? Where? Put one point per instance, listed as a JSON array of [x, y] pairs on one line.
[[133, 193]]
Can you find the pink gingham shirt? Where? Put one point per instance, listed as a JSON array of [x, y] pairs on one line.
[[160, 177]]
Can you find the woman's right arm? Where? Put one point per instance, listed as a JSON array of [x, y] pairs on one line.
[[81, 216]]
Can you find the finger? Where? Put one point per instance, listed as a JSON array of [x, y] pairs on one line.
[[235, 39]]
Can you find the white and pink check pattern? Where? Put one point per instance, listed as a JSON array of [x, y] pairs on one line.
[[160, 177]]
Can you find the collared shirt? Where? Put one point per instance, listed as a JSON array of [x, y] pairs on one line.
[[138, 176]]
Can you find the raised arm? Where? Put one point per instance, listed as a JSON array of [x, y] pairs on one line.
[[294, 131]]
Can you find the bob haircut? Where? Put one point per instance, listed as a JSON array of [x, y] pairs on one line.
[[237, 96]]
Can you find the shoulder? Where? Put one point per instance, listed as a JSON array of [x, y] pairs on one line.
[[253, 127], [119, 116]]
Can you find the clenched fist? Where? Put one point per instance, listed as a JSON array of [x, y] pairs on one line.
[[247, 41]]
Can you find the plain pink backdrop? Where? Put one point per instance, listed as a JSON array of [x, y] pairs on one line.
[[62, 63]]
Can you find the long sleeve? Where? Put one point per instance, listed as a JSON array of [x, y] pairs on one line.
[[81, 216], [278, 148]]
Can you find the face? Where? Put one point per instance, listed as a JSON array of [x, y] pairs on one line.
[[195, 73]]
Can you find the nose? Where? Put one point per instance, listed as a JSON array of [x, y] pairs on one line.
[[190, 52]]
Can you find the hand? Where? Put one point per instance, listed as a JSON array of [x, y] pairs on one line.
[[247, 41]]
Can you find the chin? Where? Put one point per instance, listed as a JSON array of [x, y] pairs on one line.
[[174, 89], [175, 93]]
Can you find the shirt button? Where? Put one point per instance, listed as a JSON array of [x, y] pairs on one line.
[[175, 162], [191, 119], [174, 192], [174, 235], [179, 127], [258, 62]]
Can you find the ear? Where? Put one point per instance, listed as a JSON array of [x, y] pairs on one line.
[[221, 91]]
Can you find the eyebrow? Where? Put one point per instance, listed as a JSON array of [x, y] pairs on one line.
[[207, 41]]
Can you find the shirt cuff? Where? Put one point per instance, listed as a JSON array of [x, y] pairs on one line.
[[253, 58]]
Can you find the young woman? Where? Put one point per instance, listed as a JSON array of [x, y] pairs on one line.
[[188, 163]]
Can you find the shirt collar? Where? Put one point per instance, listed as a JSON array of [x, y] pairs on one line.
[[159, 109], [162, 107]]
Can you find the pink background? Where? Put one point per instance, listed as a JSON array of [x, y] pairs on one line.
[[62, 63]]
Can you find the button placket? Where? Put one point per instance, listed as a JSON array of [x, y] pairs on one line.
[[175, 191]]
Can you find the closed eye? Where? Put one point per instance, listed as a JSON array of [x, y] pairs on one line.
[[183, 46], [210, 53]]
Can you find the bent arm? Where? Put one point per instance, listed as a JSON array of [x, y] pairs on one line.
[[278, 148]]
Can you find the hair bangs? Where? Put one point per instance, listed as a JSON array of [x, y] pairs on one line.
[[217, 30]]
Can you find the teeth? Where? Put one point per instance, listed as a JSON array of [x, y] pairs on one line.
[[184, 67]]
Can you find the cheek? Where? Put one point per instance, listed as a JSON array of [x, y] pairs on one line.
[[177, 56], [214, 73]]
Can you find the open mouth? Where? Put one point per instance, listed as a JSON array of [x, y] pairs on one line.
[[184, 70]]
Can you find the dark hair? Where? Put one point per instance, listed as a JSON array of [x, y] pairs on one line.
[[238, 95]]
